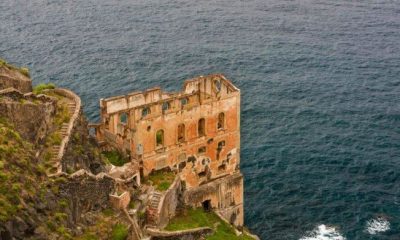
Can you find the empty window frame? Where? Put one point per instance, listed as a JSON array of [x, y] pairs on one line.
[[202, 150], [166, 106], [145, 111], [221, 121], [201, 127], [181, 132], [217, 84], [123, 118], [184, 101], [160, 138], [221, 144]]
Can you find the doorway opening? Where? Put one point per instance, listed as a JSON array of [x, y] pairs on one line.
[[206, 205]]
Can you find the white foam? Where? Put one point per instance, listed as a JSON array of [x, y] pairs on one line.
[[323, 232], [377, 225]]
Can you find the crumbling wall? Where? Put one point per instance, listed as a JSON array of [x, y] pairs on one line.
[[30, 115], [191, 234], [86, 192], [169, 203], [224, 195], [81, 151]]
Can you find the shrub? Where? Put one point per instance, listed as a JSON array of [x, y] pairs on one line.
[[63, 203], [23, 70], [161, 179], [119, 232], [43, 86], [115, 158], [54, 139], [60, 216]]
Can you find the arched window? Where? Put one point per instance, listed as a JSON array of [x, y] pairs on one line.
[[165, 106], [160, 138], [181, 132], [123, 118], [217, 84], [145, 111], [201, 128], [221, 121], [184, 101]]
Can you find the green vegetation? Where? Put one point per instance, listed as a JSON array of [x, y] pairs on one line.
[[17, 170], [195, 218], [53, 139], [23, 70], [131, 205], [107, 225], [162, 180], [62, 115], [43, 86], [119, 232], [115, 158], [160, 137], [63, 232]]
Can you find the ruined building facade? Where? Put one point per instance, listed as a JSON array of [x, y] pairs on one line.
[[195, 133]]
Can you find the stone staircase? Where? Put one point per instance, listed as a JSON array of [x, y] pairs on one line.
[[155, 200], [63, 131], [71, 107]]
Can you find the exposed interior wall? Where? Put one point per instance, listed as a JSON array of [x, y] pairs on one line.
[[224, 195]]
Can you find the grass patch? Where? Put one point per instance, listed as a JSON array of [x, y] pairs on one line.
[[18, 170], [23, 70], [53, 139], [195, 218], [62, 115], [115, 158], [162, 180], [119, 232], [107, 225], [38, 89]]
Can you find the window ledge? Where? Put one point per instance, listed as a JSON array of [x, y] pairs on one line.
[[160, 149]]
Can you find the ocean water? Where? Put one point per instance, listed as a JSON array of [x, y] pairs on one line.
[[320, 82]]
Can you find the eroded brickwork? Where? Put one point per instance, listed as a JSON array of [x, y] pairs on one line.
[[195, 133]]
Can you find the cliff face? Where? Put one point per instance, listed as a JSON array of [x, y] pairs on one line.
[[34, 205], [82, 152], [11, 76], [30, 115], [56, 184]]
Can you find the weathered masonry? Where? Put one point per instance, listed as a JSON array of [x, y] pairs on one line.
[[195, 133]]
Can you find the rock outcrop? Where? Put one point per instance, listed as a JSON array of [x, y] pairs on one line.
[[30, 114], [11, 76]]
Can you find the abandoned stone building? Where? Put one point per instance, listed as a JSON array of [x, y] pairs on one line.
[[195, 133]]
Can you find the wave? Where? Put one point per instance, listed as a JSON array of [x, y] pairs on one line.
[[323, 232], [377, 225]]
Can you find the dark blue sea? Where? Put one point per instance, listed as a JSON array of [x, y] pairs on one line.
[[320, 83]]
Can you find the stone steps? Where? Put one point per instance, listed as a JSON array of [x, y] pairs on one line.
[[155, 200], [71, 107]]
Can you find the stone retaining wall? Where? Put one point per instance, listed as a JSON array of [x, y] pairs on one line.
[[168, 203], [190, 234]]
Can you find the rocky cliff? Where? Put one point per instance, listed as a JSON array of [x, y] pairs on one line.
[[15, 77], [34, 204], [56, 183]]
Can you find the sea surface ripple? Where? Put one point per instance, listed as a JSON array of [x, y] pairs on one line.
[[320, 83]]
